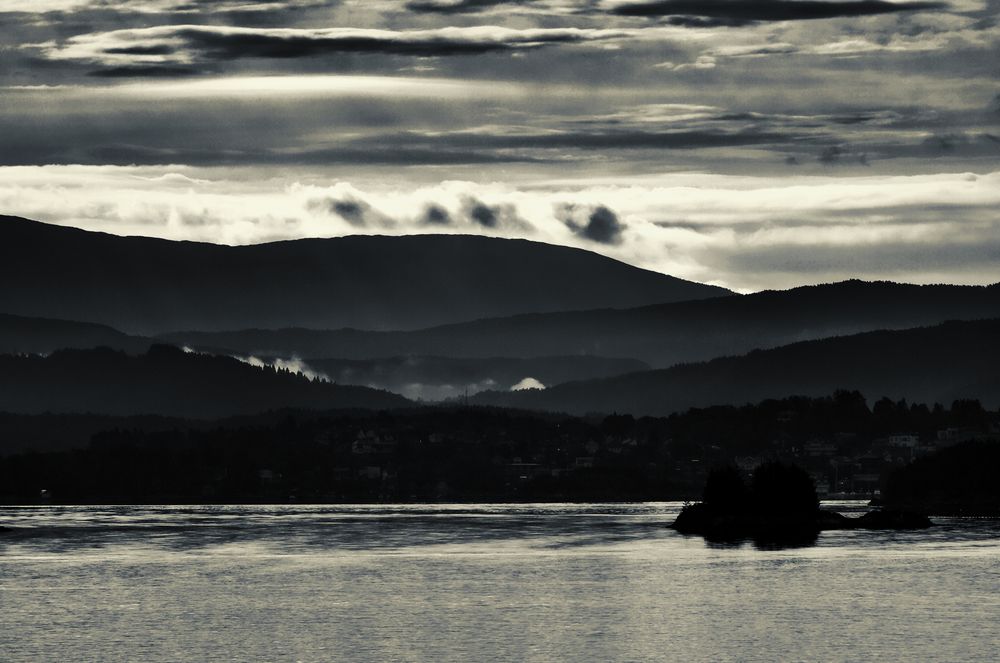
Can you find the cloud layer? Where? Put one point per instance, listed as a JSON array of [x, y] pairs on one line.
[[750, 143], [741, 12], [742, 232]]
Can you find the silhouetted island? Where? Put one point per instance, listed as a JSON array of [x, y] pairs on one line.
[[778, 507]]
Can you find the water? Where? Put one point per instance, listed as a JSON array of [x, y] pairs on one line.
[[593, 582]]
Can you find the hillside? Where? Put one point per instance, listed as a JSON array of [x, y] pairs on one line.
[[165, 381], [142, 285], [24, 335], [928, 364], [660, 335]]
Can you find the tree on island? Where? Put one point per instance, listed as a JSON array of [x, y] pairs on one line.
[[778, 507]]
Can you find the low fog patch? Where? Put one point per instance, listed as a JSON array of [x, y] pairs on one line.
[[293, 365], [527, 383]]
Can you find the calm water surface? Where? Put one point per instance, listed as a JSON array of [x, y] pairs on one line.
[[594, 582]]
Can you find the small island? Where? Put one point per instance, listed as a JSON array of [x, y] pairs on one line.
[[778, 506]]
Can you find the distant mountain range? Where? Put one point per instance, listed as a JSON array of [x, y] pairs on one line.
[[660, 335], [587, 327], [929, 364], [166, 381], [145, 286], [417, 377]]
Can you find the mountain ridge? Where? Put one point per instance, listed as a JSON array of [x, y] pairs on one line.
[[955, 359], [169, 382], [660, 335], [144, 285]]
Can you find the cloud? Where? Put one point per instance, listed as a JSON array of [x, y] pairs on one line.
[[459, 6], [599, 138], [160, 6], [484, 215], [693, 225], [356, 212], [837, 154], [457, 210], [493, 217], [145, 71], [351, 211], [435, 215], [709, 13], [601, 225], [184, 45]]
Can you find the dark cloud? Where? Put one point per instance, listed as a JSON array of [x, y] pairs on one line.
[[232, 46], [837, 154], [351, 211], [739, 12], [679, 140], [355, 212], [706, 22], [493, 216], [945, 142], [459, 6], [145, 71], [435, 215], [602, 225], [830, 155], [33, 150], [186, 44], [152, 49], [484, 215]]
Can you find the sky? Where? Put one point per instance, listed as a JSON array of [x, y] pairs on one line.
[[751, 144]]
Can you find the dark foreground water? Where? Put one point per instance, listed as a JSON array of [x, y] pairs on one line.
[[591, 582]]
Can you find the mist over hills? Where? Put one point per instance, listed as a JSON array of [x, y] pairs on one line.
[[660, 335], [142, 285], [166, 381], [928, 364], [439, 378]]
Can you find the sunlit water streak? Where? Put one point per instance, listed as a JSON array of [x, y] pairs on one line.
[[479, 582]]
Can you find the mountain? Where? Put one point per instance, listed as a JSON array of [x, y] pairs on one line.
[[23, 335], [420, 377], [166, 381], [143, 285], [439, 378], [927, 364], [660, 335]]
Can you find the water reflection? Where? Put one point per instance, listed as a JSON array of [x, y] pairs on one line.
[[370, 528], [480, 582]]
